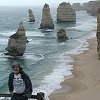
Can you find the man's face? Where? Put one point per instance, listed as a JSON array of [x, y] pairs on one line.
[[16, 68]]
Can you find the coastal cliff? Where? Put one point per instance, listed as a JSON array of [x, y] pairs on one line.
[[91, 7], [98, 33]]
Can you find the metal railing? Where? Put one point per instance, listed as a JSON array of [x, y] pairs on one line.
[[39, 96]]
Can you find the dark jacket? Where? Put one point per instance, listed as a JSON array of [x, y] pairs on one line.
[[26, 79]]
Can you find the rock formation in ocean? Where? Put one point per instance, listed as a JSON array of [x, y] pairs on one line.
[[17, 42], [65, 13], [93, 7], [77, 6], [47, 21], [61, 34], [31, 16], [98, 33], [85, 6]]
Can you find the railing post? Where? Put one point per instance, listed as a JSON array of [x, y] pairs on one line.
[[40, 96]]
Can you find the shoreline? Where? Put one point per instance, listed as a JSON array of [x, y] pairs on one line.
[[85, 82]]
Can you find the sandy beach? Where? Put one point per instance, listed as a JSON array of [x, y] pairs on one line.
[[85, 82]]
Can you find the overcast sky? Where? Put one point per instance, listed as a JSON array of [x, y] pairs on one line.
[[36, 2]]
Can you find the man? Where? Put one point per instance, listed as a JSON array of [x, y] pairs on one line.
[[19, 83]]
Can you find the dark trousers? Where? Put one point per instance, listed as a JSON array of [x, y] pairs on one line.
[[19, 97]]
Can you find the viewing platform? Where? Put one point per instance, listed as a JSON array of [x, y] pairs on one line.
[[39, 96]]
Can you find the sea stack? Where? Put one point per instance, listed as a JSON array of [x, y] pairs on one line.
[[77, 6], [61, 34], [31, 16], [47, 21], [98, 33], [17, 42], [85, 6], [65, 13]]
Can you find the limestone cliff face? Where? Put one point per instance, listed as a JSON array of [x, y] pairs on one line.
[[77, 6], [31, 16], [85, 6], [47, 21], [65, 13], [17, 42], [98, 33], [93, 7]]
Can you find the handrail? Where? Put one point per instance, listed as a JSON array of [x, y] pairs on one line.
[[39, 96]]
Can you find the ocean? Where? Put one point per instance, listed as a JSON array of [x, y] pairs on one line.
[[46, 60]]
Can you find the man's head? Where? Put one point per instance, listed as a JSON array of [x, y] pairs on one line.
[[16, 67]]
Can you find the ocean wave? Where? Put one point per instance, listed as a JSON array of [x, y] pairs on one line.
[[7, 33], [83, 45], [84, 27], [3, 41], [63, 67], [31, 33], [26, 56], [28, 33], [52, 81]]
